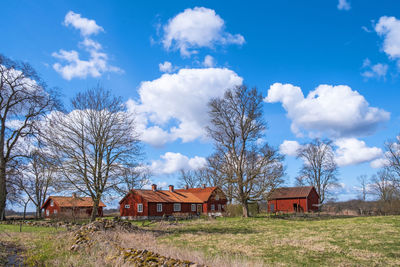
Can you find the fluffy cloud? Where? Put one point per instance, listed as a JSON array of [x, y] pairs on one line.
[[351, 151], [208, 61], [196, 28], [165, 67], [85, 26], [289, 148], [343, 5], [175, 105], [336, 111], [389, 29], [75, 67], [374, 71], [172, 162]]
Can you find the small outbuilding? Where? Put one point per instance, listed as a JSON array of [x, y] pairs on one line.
[[154, 203], [74, 206], [293, 199]]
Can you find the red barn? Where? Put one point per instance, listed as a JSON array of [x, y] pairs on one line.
[[146, 204], [56, 206], [293, 199]]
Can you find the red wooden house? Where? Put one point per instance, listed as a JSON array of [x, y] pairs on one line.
[[293, 199], [143, 204], [56, 206]]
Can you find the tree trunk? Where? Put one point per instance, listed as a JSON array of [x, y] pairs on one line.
[[25, 204], [94, 210], [245, 206], [3, 190], [38, 212]]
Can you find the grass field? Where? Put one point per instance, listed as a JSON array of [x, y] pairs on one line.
[[359, 241], [364, 241]]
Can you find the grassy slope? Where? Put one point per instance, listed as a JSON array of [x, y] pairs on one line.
[[363, 241], [351, 241]]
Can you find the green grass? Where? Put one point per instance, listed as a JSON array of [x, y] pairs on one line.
[[361, 241]]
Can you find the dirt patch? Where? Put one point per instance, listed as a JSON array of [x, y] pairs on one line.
[[10, 254]]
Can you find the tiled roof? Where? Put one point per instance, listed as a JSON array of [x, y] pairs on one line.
[[291, 192], [202, 193], [192, 195], [73, 201]]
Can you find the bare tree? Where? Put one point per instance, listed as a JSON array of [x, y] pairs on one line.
[[24, 99], [237, 127], [94, 143], [392, 156], [191, 178], [37, 178], [132, 178], [363, 181], [382, 186], [319, 167]]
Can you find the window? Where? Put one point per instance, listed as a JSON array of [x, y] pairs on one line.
[[127, 206], [159, 207], [212, 207], [55, 211], [219, 207], [217, 197], [51, 203], [177, 206], [193, 207], [140, 207], [47, 212]]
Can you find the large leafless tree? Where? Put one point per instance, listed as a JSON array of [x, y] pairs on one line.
[[319, 167], [237, 126], [94, 143], [382, 186], [392, 156], [24, 99], [38, 178]]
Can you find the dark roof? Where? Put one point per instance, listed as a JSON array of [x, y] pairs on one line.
[[291, 192], [191, 195], [72, 201]]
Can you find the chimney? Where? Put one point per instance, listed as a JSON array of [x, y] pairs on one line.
[[204, 186], [154, 187], [74, 195], [171, 188], [186, 187]]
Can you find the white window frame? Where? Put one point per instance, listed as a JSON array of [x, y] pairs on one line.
[[217, 197], [47, 212], [55, 211], [159, 207], [127, 206], [140, 207], [51, 203], [177, 206], [193, 207], [212, 207]]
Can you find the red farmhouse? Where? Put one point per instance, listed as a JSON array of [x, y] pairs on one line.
[[70, 206], [143, 204], [293, 199]]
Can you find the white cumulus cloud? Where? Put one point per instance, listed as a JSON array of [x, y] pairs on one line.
[[389, 29], [336, 111], [344, 5], [289, 148], [74, 66], [85, 26], [172, 162], [208, 61], [165, 67], [351, 151], [197, 28], [374, 71], [175, 105]]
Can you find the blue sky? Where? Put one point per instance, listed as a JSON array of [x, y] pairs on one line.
[[207, 46]]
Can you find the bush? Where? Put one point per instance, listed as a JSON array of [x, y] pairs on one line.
[[236, 210]]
